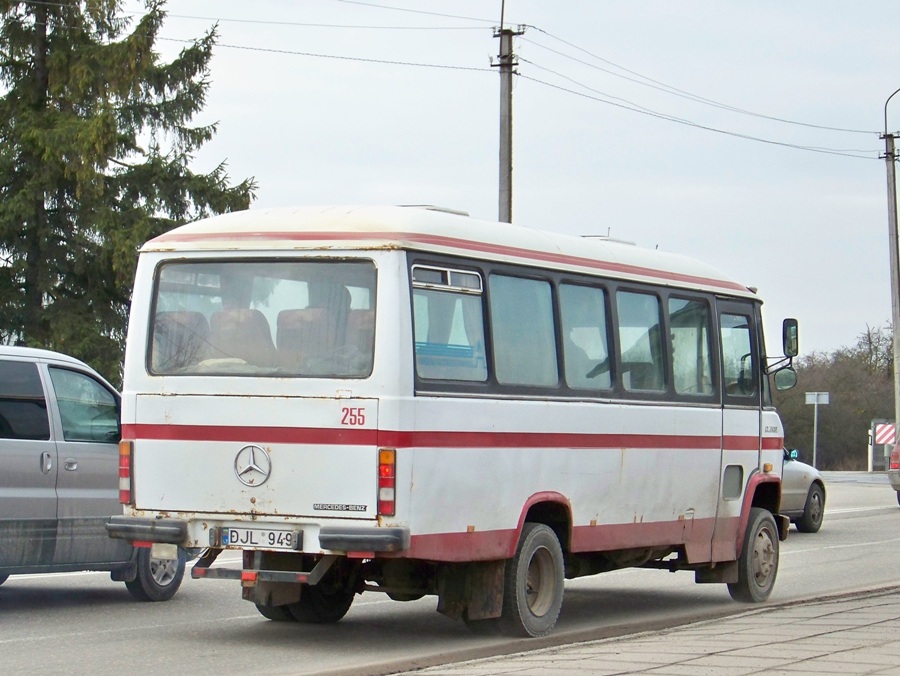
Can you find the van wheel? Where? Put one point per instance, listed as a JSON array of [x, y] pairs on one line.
[[813, 511], [3, 578], [156, 579], [276, 613], [321, 604], [758, 562], [534, 582]]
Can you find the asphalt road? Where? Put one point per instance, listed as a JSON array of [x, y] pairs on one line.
[[84, 623]]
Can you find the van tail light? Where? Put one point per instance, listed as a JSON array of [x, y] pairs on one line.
[[126, 449], [895, 458], [387, 481]]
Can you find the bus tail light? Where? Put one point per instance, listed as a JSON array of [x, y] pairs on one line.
[[387, 481], [125, 454], [895, 458]]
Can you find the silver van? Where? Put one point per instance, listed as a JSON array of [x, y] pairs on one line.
[[59, 467]]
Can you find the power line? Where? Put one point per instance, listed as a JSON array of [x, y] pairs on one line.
[[416, 11], [338, 57], [639, 108], [625, 104], [669, 118], [661, 86]]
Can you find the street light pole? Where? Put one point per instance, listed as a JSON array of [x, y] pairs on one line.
[[890, 158]]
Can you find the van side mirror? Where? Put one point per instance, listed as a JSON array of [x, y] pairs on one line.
[[790, 337], [795, 454], [785, 378]]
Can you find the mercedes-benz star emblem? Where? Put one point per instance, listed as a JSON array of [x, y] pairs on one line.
[[252, 465]]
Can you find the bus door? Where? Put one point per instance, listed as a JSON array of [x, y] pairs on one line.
[[739, 359]]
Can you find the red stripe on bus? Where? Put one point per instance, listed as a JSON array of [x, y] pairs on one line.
[[451, 242], [438, 439], [696, 534]]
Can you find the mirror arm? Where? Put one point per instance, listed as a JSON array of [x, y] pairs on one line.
[[779, 364]]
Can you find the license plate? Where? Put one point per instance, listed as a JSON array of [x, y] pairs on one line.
[[261, 538]]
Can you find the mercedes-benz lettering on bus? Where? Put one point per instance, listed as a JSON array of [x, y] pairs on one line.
[[407, 400]]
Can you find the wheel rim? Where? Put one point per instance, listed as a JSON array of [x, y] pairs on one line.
[[815, 507], [163, 571], [539, 582], [764, 557]]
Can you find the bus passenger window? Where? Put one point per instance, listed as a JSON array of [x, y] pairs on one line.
[[640, 342], [448, 324], [691, 355], [522, 331], [738, 363], [584, 333]]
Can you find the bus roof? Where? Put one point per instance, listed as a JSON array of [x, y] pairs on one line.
[[343, 228]]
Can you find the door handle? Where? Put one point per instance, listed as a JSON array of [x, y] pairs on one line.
[[46, 462], [71, 464]]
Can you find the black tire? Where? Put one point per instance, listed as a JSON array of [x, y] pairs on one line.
[[322, 604], [758, 562], [156, 579], [533, 585], [276, 613], [813, 511], [3, 578]]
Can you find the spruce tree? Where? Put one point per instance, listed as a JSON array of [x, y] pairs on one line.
[[96, 143]]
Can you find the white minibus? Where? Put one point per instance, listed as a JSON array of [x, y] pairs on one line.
[[411, 401]]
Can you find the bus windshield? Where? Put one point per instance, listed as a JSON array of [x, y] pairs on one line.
[[264, 317]]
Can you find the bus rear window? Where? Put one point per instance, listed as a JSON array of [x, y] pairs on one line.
[[264, 317]]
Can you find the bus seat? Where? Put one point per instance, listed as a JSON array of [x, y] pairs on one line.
[[179, 339], [361, 330], [301, 334], [642, 376], [241, 333]]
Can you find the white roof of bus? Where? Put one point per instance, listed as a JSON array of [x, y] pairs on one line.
[[441, 231]]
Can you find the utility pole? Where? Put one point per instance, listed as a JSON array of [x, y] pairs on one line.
[[506, 62], [890, 158]]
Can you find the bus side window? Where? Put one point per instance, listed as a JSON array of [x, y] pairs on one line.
[[689, 325], [640, 342], [448, 325], [585, 339], [523, 331], [738, 364]]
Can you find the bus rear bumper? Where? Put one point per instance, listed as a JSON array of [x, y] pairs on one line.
[[333, 538], [351, 539]]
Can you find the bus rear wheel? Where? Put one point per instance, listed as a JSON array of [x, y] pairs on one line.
[[276, 613], [322, 604], [534, 582], [758, 562]]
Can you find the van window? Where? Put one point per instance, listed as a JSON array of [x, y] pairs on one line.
[[266, 317], [23, 408], [87, 409]]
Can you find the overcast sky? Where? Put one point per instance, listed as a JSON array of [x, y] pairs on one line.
[[396, 102]]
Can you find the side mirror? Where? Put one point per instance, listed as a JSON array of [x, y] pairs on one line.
[[794, 454], [785, 378], [790, 338]]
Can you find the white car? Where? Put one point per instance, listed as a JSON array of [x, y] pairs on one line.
[[802, 493]]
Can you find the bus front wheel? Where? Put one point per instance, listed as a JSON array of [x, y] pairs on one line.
[[533, 585], [758, 562]]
